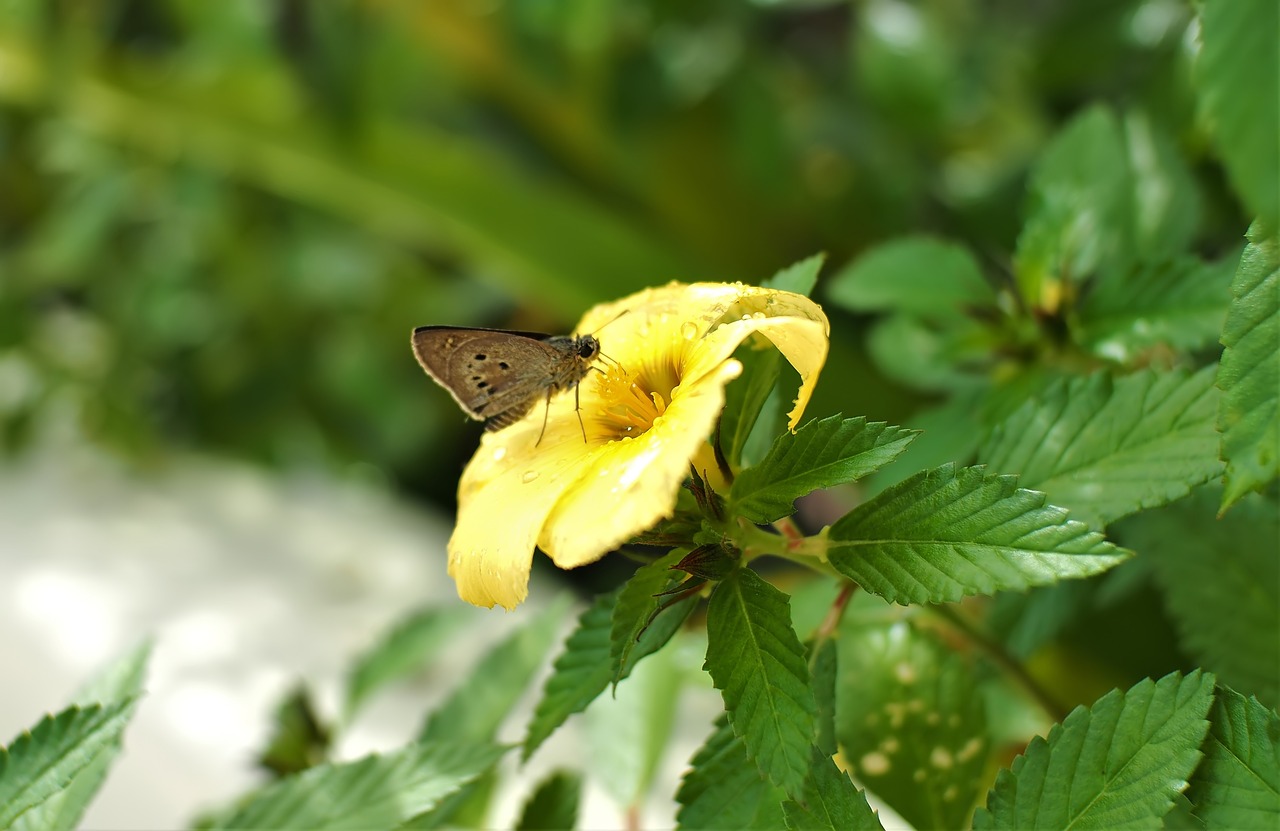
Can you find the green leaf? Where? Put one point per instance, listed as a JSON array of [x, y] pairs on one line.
[[1219, 582], [39, 765], [824, 669], [921, 276], [830, 801], [299, 740], [1237, 785], [586, 666], [1166, 201], [406, 648], [1106, 448], [1179, 304], [554, 805], [377, 791], [1240, 96], [467, 807], [723, 789], [1180, 816], [1078, 222], [637, 602], [121, 680], [479, 705], [758, 664], [928, 355], [580, 673], [944, 534], [1249, 373], [627, 733], [799, 278], [911, 721], [1118, 764], [745, 402], [822, 453]]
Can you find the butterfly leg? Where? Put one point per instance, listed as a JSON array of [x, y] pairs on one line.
[[546, 410], [577, 408]]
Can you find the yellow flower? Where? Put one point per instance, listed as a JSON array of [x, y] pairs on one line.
[[668, 354]]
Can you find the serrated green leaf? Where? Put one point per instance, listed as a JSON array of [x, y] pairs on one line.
[[1115, 765], [921, 276], [799, 278], [911, 722], [758, 664], [627, 733], [554, 805], [580, 673], [586, 666], [745, 411], [1079, 217], [1219, 579], [407, 647], [1175, 303], [831, 802], [1239, 96], [377, 791], [637, 602], [822, 453], [944, 534], [723, 789], [39, 764], [478, 706], [466, 807], [823, 668], [1180, 816], [1106, 448], [1237, 785], [120, 680], [1249, 373]]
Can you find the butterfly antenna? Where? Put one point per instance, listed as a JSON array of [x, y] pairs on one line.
[[609, 322]]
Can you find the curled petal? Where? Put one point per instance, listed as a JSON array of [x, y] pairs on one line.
[[632, 483]]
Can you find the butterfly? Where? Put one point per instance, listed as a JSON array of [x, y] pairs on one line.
[[496, 375]]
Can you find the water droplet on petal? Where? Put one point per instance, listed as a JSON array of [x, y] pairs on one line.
[[689, 330], [529, 476], [498, 453]]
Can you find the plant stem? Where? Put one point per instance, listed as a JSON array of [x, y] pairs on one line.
[[997, 653]]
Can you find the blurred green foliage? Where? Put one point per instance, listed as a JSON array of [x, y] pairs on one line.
[[219, 221]]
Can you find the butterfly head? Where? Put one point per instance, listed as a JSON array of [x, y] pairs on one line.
[[587, 347]]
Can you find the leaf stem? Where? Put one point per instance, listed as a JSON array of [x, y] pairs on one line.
[[757, 542], [996, 652]]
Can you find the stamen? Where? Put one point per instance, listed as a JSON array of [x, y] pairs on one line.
[[626, 406]]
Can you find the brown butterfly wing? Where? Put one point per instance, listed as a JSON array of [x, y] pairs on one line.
[[494, 375]]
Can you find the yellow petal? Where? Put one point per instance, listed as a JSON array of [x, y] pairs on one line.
[[503, 501], [634, 482]]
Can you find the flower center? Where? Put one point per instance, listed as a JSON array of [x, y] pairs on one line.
[[630, 403]]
